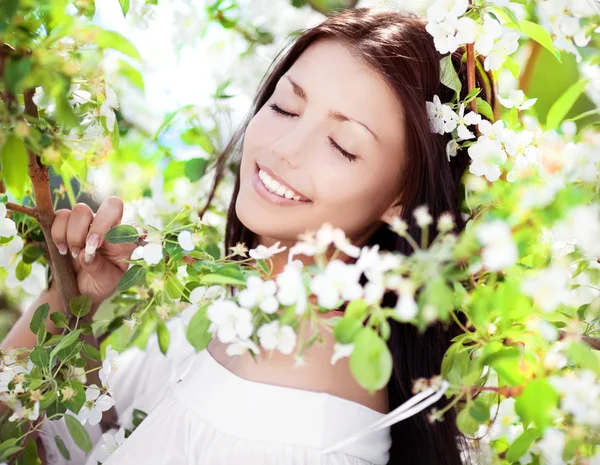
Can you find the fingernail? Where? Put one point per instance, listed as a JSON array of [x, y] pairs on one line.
[[89, 258], [75, 252], [92, 243], [62, 248]]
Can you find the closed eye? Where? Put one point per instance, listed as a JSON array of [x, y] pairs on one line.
[[287, 114]]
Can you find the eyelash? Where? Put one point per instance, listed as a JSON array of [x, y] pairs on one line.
[[345, 154]]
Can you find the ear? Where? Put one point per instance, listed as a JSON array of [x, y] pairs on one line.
[[392, 212]]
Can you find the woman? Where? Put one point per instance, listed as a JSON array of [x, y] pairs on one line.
[[338, 133]]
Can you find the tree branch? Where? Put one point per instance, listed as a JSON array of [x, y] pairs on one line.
[[62, 269], [15, 207]]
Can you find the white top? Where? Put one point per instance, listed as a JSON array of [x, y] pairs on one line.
[[202, 413]]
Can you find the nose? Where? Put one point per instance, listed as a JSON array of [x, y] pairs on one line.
[[290, 146]]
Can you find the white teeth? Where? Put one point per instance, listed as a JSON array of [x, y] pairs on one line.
[[276, 188]]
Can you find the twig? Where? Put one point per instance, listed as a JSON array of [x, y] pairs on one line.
[[15, 207], [592, 342]]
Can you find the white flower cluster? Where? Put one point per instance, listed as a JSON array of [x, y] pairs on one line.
[[14, 373], [580, 396], [565, 20], [451, 28]]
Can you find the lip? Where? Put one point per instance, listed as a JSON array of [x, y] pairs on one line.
[[270, 196]]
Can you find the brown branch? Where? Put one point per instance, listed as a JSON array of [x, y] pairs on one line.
[[527, 74], [592, 342], [15, 207], [471, 71], [62, 269]]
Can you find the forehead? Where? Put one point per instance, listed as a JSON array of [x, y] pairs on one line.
[[335, 79]]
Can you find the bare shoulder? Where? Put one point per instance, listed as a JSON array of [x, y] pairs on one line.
[[316, 374]]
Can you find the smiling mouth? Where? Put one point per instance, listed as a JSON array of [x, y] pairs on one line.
[[278, 188]]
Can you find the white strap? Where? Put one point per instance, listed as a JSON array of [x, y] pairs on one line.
[[406, 410]]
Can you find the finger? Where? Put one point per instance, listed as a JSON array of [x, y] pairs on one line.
[[78, 227], [59, 230], [109, 214]]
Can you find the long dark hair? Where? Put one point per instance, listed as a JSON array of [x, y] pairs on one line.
[[398, 46]]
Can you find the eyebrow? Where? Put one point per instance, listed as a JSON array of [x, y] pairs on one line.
[[334, 115]]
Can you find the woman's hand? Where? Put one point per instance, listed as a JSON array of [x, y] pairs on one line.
[[80, 233]]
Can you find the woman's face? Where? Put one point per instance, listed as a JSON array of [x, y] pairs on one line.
[[326, 147]]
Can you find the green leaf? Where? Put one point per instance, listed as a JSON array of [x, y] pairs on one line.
[[47, 399], [522, 444], [370, 361], [39, 356], [65, 342], [59, 319], [132, 276], [564, 103], [31, 253], [30, 454], [122, 234], [62, 448], [466, 423], [91, 352], [174, 287], [195, 169], [511, 64], [80, 305], [484, 108], [39, 318], [78, 433], [14, 165], [448, 75], [346, 329], [220, 279], [131, 74], [480, 411], [537, 403], [8, 8], [9, 447], [23, 270], [164, 337], [356, 309], [15, 72], [114, 40], [197, 331], [538, 33], [67, 353]]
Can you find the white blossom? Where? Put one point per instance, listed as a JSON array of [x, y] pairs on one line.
[[33, 284], [451, 33], [184, 238], [341, 351], [8, 249], [338, 281], [551, 447], [112, 441], [110, 366], [499, 248], [263, 252], [8, 228], [406, 308], [582, 225], [291, 289], [238, 347], [580, 396], [422, 216], [152, 252], [548, 288], [442, 118], [441, 9], [274, 336], [466, 120], [316, 243], [486, 159], [106, 109], [516, 99], [94, 405], [229, 321], [197, 296], [259, 293]]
